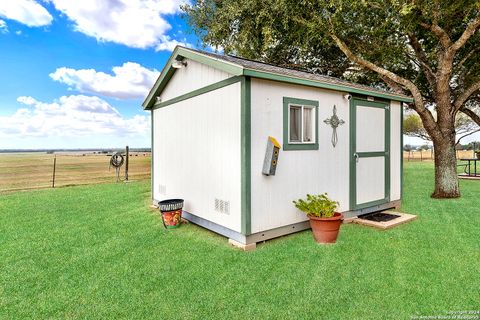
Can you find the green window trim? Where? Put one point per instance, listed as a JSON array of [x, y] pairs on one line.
[[287, 101]]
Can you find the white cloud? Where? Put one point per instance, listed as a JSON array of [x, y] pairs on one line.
[[168, 44], [218, 49], [129, 81], [28, 12], [134, 23], [3, 26], [71, 116]]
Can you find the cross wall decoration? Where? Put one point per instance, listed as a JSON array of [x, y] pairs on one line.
[[334, 121]]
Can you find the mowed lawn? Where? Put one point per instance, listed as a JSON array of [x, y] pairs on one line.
[[100, 252]]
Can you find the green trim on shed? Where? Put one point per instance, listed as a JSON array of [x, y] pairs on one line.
[[388, 140], [228, 67], [298, 146], [179, 54], [401, 150], [234, 69], [324, 85], [354, 102], [151, 154], [194, 93], [161, 82], [245, 125]]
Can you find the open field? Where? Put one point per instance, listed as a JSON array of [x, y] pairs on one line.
[[21, 171], [429, 155], [99, 252]]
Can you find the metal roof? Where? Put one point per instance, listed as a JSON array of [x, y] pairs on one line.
[[265, 67], [256, 69]]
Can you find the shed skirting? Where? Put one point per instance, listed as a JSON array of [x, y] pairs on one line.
[[253, 238], [277, 232]]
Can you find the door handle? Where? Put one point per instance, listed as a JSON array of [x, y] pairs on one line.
[[356, 156]]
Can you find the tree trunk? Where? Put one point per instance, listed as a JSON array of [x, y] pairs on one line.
[[446, 178]]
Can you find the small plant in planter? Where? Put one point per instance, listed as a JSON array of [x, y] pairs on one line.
[[324, 220]]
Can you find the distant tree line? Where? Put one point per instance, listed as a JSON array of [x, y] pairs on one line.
[[474, 145]]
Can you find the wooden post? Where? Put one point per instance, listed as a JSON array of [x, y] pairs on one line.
[[421, 155], [54, 165], [126, 163]]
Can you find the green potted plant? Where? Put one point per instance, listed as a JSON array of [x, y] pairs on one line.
[[324, 220]]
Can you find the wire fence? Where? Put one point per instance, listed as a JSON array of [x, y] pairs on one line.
[[23, 171], [425, 155]]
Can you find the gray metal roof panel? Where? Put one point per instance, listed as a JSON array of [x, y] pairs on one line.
[[264, 67]]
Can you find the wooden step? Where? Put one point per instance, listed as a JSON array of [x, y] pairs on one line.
[[383, 225]]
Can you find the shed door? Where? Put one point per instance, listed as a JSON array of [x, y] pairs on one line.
[[370, 159]]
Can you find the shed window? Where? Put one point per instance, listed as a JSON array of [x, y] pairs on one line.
[[300, 124]]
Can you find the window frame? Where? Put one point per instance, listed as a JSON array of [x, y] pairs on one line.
[[291, 145]]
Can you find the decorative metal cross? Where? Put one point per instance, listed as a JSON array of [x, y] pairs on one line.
[[334, 121]]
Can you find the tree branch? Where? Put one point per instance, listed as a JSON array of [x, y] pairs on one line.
[[419, 135], [475, 117], [439, 32], [445, 60], [466, 135], [427, 117], [395, 86], [463, 97], [469, 32], [422, 59], [466, 57]]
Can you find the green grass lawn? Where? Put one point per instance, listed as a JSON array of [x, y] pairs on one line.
[[100, 252]]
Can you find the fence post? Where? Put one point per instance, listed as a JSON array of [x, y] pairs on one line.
[[126, 163], [54, 166]]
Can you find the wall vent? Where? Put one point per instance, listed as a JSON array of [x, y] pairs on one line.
[[162, 189], [222, 206]]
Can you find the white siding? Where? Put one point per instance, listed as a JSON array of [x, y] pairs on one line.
[[298, 172], [395, 154], [194, 76], [370, 179], [197, 154], [370, 129]]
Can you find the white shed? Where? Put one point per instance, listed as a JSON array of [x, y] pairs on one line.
[[212, 116]]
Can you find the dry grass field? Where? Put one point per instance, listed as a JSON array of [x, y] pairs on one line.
[[22, 171], [428, 155]]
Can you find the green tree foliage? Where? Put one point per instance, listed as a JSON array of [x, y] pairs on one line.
[[266, 31], [428, 49], [408, 147], [413, 126]]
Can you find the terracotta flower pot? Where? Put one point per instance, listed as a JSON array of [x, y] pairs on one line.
[[325, 230]]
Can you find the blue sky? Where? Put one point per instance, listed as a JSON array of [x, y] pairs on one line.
[[74, 73]]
